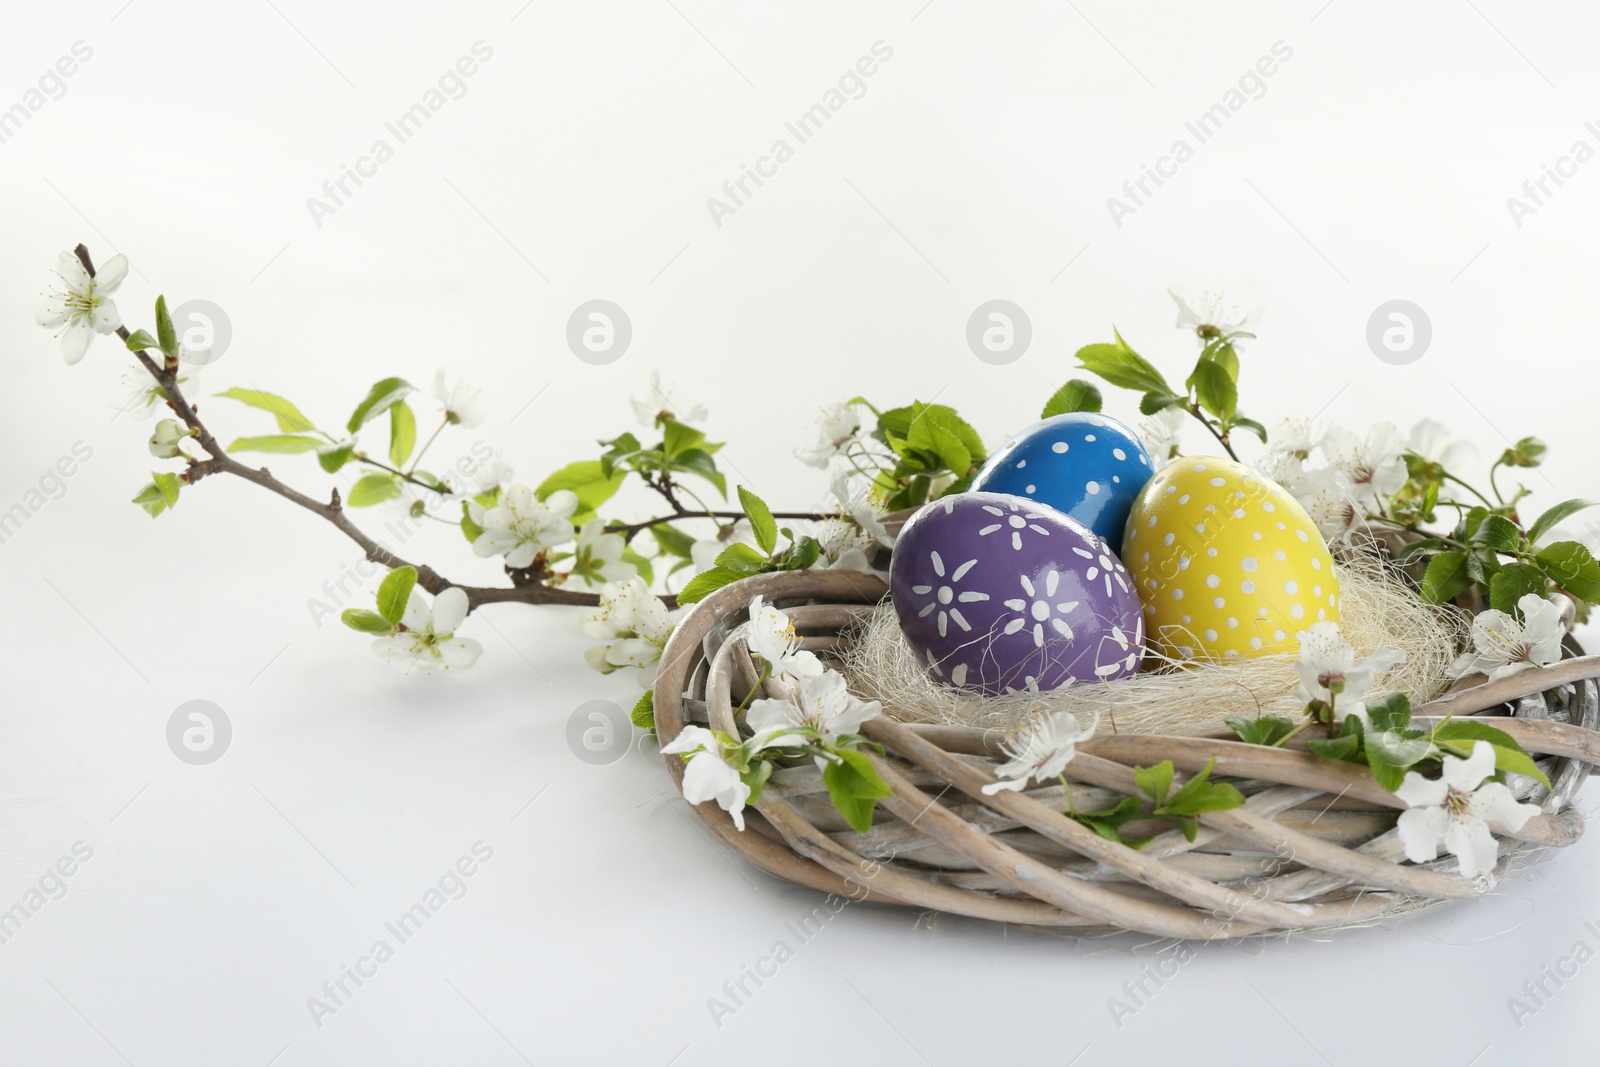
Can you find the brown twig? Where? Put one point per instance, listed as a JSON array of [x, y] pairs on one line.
[[221, 462]]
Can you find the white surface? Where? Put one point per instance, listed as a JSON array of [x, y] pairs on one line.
[[218, 899]]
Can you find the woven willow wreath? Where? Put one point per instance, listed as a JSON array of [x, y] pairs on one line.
[[1313, 847]]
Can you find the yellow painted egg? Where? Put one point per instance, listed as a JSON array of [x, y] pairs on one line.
[[1226, 562]]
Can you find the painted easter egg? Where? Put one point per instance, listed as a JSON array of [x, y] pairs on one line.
[[1227, 562], [998, 593], [1085, 465]]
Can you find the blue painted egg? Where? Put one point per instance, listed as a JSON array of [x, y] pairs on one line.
[[1085, 465], [1000, 594]]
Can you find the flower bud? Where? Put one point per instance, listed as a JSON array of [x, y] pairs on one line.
[[169, 434]]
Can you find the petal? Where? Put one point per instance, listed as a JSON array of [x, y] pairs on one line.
[[75, 341], [394, 648], [416, 614], [449, 610], [1420, 792], [460, 653], [766, 714], [522, 555], [71, 270], [1014, 785], [562, 502], [1420, 831], [440, 393], [1471, 842], [110, 274], [1466, 774], [105, 318], [689, 738], [1499, 808], [52, 311]]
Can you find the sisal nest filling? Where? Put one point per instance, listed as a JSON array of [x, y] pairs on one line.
[[1377, 611]]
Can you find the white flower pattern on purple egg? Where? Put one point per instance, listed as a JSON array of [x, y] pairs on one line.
[[1016, 522], [943, 595], [1038, 609]]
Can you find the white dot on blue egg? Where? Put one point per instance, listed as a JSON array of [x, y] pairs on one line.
[[1021, 463], [1032, 489], [1059, 447], [1088, 437], [1093, 488], [1119, 453]]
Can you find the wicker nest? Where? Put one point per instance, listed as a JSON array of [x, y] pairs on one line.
[[1314, 847]]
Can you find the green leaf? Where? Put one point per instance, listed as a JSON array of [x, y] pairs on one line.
[[801, 554], [1154, 782], [402, 433], [588, 481], [1252, 425], [708, 582], [644, 712], [1425, 548], [1122, 366], [741, 557], [161, 494], [617, 450], [394, 593], [1267, 730], [1472, 729], [166, 335], [1076, 395], [1339, 748], [289, 418], [1497, 532], [379, 398], [367, 622], [1525, 453], [761, 521], [756, 778], [1445, 578], [672, 541], [1393, 712], [1513, 582], [373, 489], [1390, 753], [855, 787], [680, 438], [1214, 389], [1199, 795], [1571, 566], [334, 456], [285, 443], [1154, 403], [1565, 509], [1221, 352], [1516, 762], [139, 340], [698, 461]]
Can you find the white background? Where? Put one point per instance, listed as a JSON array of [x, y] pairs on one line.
[[977, 165]]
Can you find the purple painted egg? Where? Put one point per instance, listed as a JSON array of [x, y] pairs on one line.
[[997, 593]]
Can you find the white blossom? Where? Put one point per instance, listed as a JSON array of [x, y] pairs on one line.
[[597, 557], [1212, 316], [1459, 810], [1432, 441], [1374, 464], [633, 627], [772, 636], [1041, 750], [663, 402], [1162, 434], [428, 640], [1330, 672], [140, 395], [854, 498], [837, 427], [463, 402], [822, 702], [521, 525], [1503, 646], [82, 306], [707, 774], [475, 475]]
